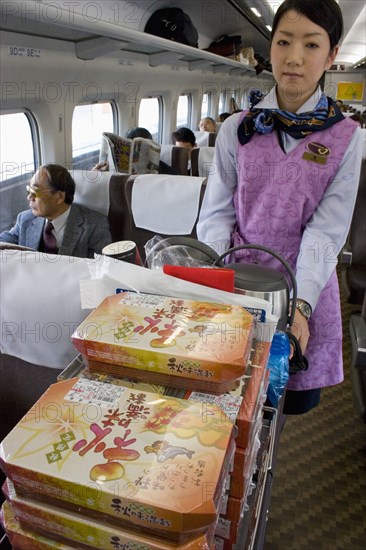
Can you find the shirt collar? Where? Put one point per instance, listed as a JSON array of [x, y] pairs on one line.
[[60, 221], [270, 101]]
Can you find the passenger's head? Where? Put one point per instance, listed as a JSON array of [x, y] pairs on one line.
[[341, 105], [207, 124], [184, 137], [223, 116], [304, 43], [357, 118], [133, 133], [51, 191]]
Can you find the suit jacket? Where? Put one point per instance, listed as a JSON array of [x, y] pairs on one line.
[[86, 232]]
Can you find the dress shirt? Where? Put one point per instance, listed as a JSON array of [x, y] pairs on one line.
[[59, 224]]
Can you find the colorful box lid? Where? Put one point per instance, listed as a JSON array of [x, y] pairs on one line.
[[144, 459], [188, 340]]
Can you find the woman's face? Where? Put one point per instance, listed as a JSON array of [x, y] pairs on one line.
[[300, 53]]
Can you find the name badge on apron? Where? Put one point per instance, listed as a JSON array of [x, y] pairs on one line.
[[316, 152]]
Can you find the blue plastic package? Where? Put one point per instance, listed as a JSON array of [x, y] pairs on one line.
[[278, 365]]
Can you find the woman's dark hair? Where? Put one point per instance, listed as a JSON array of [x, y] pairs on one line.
[[60, 179], [325, 13]]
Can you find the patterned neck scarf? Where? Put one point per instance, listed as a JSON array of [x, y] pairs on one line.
[[264, 121]]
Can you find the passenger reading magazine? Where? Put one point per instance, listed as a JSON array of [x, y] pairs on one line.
[[130, 156]]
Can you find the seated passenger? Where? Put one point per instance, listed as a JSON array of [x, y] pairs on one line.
[[341, 105], [223, 116], [133, 133], [55, 225], [184, 137], [207, 124], [358, 118]]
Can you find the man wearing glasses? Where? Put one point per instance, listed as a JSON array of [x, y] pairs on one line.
[[54, 224]]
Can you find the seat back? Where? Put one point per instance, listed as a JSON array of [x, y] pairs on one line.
[[36, 326], [363, 133], [175, 157], [354, 278], [92, 189], [202, 161], [117, 214], [205, 139], [103, 192], [167, 216]]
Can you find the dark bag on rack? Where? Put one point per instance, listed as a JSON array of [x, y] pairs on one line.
[[227, 46], [173, 24]]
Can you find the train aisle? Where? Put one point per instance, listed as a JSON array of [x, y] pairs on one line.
[[319, 492]]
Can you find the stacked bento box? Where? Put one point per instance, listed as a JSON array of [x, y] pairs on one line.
[[148, 464]]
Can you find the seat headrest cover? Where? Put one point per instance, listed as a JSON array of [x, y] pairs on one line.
[[92, 189], [166, 204]]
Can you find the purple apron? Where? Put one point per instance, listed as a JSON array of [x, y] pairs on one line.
[[276, 196]]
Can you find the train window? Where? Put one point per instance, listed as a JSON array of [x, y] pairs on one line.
[[206, 105], [184, 110], [15, 160], [19, 154], [150, 115], [222, 102], [89, 121], [244, 104]]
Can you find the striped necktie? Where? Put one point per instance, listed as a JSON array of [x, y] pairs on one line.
[[49, 240]]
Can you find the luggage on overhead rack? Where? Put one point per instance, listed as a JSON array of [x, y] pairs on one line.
[[173, 24]]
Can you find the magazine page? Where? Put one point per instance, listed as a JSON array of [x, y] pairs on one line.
[[116, 151], [144, 157]]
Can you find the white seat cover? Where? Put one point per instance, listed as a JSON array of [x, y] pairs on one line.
[[205, 161], [40, 306], [166, 204], [92, 189]]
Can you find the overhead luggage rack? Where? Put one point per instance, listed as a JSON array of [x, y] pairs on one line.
[[93, 39]]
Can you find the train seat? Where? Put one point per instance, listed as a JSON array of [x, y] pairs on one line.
[[354, 253], [92, 189], [40, 308], [354, 285], [161, 205], [205, 139], [202, 161], [103, 192], [118, 212], [175, 157]]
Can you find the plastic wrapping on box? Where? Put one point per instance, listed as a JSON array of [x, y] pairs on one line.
[[183, 343], [142, 459]]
